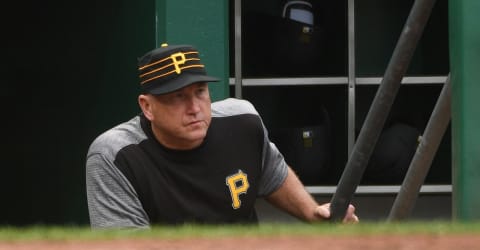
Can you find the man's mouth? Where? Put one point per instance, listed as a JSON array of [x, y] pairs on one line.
[[194, 122]]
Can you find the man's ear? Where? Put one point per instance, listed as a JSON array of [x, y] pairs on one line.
[[144, 101]]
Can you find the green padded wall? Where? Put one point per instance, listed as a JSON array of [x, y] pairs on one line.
[[203, 24], [465, 65]]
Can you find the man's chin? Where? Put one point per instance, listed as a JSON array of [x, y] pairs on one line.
[[197, 135]]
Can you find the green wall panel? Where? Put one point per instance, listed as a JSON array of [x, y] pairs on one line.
[[465, 61], [203, 24]]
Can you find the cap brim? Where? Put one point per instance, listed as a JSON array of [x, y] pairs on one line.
[[181, 81]]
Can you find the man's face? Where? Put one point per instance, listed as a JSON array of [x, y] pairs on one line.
[[180, 119]]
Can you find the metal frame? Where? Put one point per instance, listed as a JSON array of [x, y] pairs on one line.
[[351, 76], [291, 81], [351, 80], [238, 48], [381, 189]]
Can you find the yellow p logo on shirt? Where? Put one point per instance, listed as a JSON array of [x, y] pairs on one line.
[[238, 184]]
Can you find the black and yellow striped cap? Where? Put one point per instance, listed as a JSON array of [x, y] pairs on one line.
[[169, 68]]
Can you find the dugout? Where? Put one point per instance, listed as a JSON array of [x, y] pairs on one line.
[[69, 68], [302, 59]]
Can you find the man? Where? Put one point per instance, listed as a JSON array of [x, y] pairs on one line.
[[186, 160]]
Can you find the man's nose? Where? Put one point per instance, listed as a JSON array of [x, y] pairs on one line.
[[193, 104]]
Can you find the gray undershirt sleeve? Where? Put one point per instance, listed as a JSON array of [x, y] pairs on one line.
[[275, 169], [112, 201]]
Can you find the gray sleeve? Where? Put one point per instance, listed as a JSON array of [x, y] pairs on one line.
[[275, 169], [112, 201]]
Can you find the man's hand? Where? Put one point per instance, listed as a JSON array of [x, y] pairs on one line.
[[323, 211], [293, 198]]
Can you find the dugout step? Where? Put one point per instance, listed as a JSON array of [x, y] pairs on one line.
[[373, 203]]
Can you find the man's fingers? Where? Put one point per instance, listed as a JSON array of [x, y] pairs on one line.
[[350, 217], [323, 211]]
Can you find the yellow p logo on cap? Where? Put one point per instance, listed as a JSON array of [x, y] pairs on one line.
[[178, 59]]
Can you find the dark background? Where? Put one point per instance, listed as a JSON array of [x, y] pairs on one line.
[[68, 73]]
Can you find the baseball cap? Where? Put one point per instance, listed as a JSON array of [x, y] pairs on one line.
[[169, 68]]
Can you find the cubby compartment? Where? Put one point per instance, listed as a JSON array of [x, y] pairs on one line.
[[378, 25], [400, 136], [312, 69], [276, 43]]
